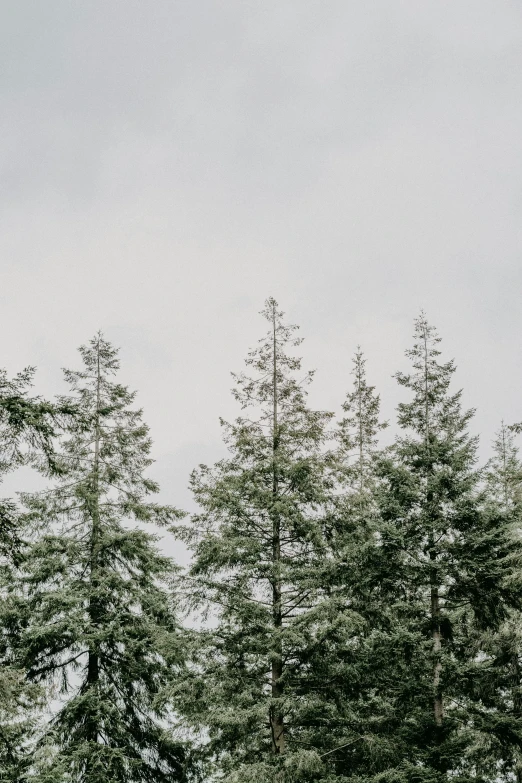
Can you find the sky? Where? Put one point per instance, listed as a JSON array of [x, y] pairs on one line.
[[166, 166]]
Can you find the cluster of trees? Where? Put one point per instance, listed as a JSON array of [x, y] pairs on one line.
[[354, 610]]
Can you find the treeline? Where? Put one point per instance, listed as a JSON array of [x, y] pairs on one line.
[[351, 612]]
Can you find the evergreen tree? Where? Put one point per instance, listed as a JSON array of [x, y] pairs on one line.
[[259, 550], [99, 620], [359, 450], [26, 435], [450, 558], [351, 668], [27, 430], [501, 684], [504, 471], [358, 668]]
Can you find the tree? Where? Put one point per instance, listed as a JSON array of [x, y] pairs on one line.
[[99, 625], [504, 471], [348, 665], [259, 549], [27, 431], [500, 687], [358, 455], [451, 562]]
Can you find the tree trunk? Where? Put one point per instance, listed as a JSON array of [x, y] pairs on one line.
[[93, 665], [276, 715], [438, 703]]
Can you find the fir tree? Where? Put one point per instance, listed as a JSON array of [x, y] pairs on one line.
[[99, 621], [359, 449], [26, 435], [27, 431], [500, 687], [258, 545], [359, 581], [450, 559], [350, 671], [504, 471]]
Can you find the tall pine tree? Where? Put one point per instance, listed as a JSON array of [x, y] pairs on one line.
[[500, 687], [359, 450], [450, 558], [99, 620], [27, 427], [258, 546], [351, 667]]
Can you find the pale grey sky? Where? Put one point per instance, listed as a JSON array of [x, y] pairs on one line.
[[168, 165]]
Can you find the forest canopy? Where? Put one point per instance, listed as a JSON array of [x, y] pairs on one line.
[[351, 611]]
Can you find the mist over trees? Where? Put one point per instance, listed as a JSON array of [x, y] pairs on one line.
[[350, 612]]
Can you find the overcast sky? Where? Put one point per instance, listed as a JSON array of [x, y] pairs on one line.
[[168, 165]]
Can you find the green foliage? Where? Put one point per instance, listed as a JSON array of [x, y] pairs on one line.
[[19, 703], [451, 557], [259, 551], [500, 686], [27, 430], [99, 627], [352, 715], [356, 611]]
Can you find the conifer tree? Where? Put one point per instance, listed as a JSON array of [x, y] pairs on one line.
[[500, 687], [99, 620], [27, 430], [358, 580], [26, 434], [504, 471], [451, 563], [259, 549], [359, 448], [351, 667]]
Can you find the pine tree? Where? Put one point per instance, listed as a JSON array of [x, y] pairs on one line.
[[359, 450], [259, 549], [451, 561], [500, 687], [27, 430], [99, 620], [26, 435], [504, 471], [350, 671], [357, 646]]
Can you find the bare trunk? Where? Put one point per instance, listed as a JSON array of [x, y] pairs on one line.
[[93, 665], [361, 436], [276, 715], [438, 703]]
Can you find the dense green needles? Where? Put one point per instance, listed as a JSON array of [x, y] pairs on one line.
[[352, 611], [99, 626]]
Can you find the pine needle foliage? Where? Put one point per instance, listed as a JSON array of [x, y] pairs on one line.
[[451, 560], [27, 431], [359, 607], [359, 451], [99, 624], [258, 552], [352, 664], [500, 686]]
